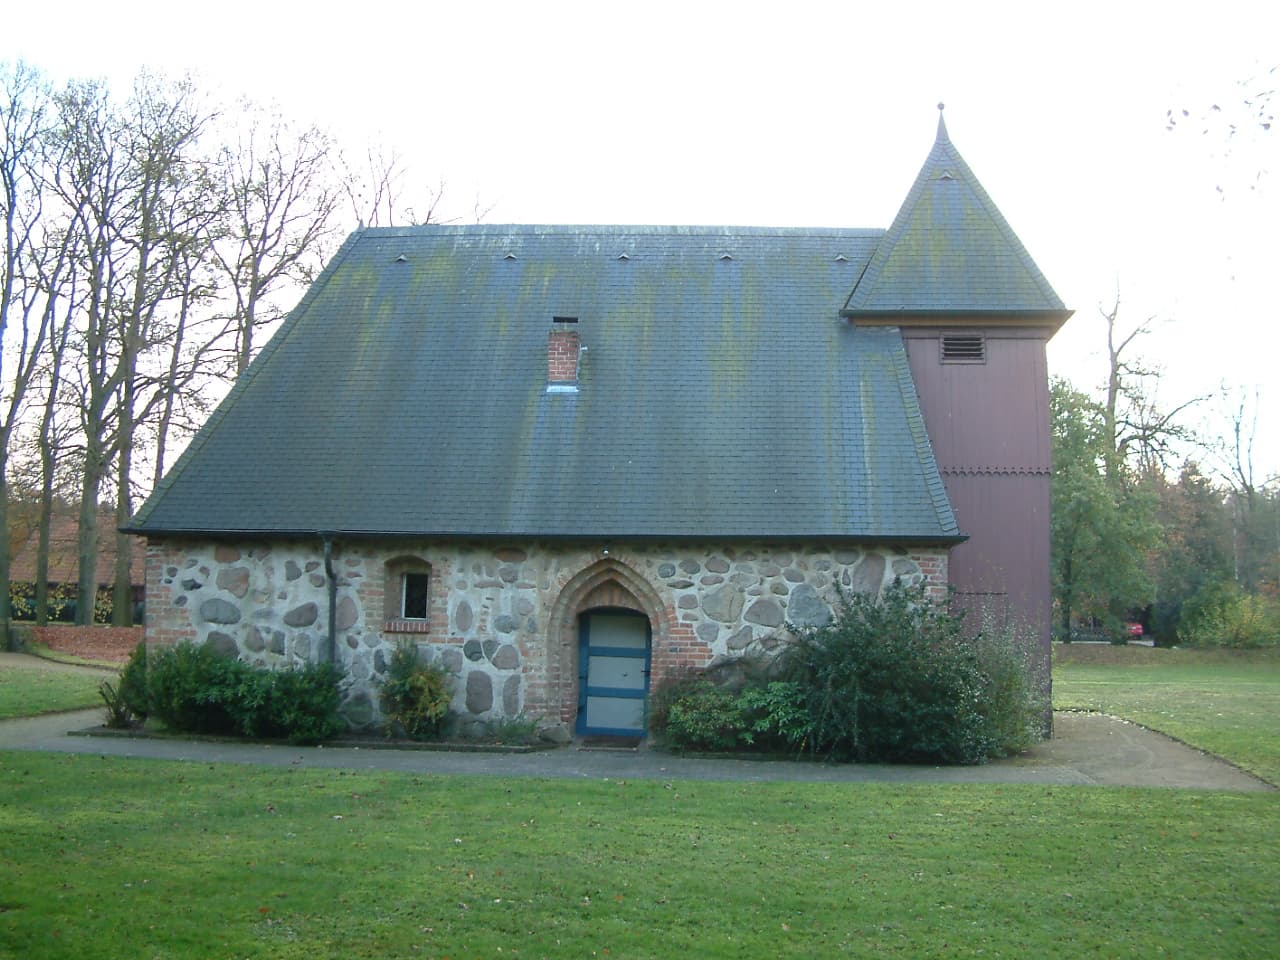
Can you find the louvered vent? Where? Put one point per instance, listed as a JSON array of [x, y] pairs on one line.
[[964, 348]]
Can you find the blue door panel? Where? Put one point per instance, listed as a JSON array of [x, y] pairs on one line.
[[613, 672]]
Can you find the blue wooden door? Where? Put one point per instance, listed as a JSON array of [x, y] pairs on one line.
[[613, 673]]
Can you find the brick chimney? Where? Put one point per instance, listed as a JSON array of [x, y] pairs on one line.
[[563, 352]]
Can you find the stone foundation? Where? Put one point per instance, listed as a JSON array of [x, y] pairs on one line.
[[503, 619]]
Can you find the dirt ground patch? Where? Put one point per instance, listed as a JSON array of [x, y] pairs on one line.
[[108, 644], [25, 661]]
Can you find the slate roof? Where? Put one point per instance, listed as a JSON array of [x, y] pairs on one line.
[[721, 396], [951, 251]]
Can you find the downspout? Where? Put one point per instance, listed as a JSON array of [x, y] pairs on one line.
[[332, 576]]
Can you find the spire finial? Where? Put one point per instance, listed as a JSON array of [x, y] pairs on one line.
[[942, 125]]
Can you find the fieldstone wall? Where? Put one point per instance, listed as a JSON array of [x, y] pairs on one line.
[[503, 617]]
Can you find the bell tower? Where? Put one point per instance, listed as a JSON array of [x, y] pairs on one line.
[[975, 314]]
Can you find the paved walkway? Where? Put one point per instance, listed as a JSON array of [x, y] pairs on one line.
[[1085, 749]]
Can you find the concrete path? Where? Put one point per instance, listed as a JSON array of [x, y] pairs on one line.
[[1086, 749]]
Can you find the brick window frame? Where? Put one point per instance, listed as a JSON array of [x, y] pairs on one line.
[[407, 581]]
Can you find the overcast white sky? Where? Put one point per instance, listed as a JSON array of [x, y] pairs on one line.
[[803, 114]]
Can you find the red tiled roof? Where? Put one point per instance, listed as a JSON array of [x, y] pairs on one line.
[[63, 550]]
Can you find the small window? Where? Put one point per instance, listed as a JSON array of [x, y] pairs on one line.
[[414, 593], [964, 348], [408, 595]]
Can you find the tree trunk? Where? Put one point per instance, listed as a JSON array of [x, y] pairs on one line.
[[87, 537], [1066, 603], [48, 464], [172, 379], [122, 593], [42, 543], [5, 613]]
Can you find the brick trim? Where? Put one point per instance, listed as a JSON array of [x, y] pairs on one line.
[[407, 626]]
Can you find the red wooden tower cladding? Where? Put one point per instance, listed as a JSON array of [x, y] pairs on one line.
[[975, 314]]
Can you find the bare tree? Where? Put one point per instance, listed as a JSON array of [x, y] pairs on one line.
[[278, 219], [373, 185], [1138, 433], [51, 437], [1251, 499], [164, 125], [89, 176], [125, 176], [24, 101], [192, 337], [140, 264]]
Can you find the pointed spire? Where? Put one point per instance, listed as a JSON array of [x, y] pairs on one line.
[[949, 251]]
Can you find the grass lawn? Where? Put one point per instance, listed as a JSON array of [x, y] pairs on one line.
[[27, 691], [105, 857], [1224, 702]]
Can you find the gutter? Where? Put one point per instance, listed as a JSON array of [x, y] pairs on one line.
[[331, 645], [930, 539]]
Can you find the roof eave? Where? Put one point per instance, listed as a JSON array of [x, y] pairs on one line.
[[1051, 318], [917, 539]]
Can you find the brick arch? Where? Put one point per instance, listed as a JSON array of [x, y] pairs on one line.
[[605, 583], [611, 594]]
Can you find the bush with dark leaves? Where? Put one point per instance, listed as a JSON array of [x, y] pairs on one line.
[[892, 680]]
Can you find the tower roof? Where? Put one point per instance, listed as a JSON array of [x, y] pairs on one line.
[[950, 251]]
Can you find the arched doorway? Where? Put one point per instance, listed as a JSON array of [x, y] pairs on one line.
[[606, 586], [615, 648]]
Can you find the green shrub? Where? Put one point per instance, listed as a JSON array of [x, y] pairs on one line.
[[299, 703], [695, 714], [778, 714], [1223, 615], [1013, 702], [119, 716], [61, 603], [191, 687], [661, 698], [892, 681], [133, 682], [519, 730], [194, 689], [415, 696]]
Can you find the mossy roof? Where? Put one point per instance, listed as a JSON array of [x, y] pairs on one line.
[[950, 251], [724, 392], [721, 396]]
